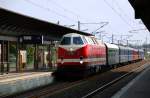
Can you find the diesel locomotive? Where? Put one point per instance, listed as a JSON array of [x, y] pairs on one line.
[[80, 55]]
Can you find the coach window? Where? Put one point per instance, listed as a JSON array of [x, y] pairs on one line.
[[77, 41], [66, 41]]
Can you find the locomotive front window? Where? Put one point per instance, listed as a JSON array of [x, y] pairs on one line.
[[77, 41], [66, 41]]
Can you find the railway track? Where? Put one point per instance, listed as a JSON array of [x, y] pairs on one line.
[[86, 92], [100, 89], [65, 86]]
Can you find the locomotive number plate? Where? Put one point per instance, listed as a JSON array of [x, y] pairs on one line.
[[70, 53]]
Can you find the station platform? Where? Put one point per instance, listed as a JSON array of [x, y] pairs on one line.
[[137, 88], [18, 82]]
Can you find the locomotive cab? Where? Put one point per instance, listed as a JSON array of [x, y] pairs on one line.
[[73, 39], [71, 49]]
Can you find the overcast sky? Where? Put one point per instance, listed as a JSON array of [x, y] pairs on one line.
[[118, 13]]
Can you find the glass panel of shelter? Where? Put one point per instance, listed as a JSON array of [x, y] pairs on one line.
[[12, 56], [23, 57], [42, 61], [47, 55], [36, 58], [4, 64]]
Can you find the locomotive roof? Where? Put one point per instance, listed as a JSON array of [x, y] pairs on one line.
[[112, 46], [72, 34]]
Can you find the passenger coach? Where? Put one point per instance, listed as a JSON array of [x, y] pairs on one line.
[[123, 54], [112, 54]]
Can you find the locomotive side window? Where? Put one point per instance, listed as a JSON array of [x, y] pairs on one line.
[[90, 41], [84, 40], [94, 40], [66, 41], [77, 41]]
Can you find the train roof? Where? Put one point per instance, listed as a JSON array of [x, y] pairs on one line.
[[72, 34], [141, 50], [135, 49], [130, 48], [124, 47], [112, 46]]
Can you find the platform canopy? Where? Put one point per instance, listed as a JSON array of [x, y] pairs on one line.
[[142, 10], [15, 24]]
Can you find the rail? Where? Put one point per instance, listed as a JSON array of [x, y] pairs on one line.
[[98, 90]]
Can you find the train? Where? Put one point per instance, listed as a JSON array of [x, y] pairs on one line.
[[80, 55]]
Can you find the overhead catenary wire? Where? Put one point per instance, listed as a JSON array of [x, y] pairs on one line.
[[124, 18], [50, 10], [63, 8], [118, 6], [131, 31], [79, 17], [105, 23], [117, 13]]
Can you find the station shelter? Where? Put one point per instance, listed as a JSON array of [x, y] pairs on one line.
[[27, 43], [36, 52]]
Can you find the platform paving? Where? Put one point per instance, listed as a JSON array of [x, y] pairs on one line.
[[137, 88], [18, 82]]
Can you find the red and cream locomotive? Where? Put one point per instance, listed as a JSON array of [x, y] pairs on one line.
[[80, 54]]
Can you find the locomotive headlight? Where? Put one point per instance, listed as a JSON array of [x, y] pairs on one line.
[[81, 60], [62, 61], [71, 49]]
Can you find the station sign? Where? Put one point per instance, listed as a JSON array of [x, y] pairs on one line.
[[31, 39]]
